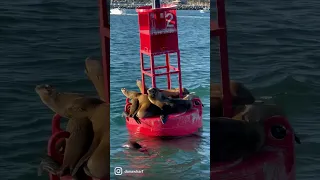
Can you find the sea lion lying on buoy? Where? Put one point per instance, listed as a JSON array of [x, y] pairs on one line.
[[259, 112], [96, 161], [233, 139], [172, 93], [98, 113], [79, 126], [240, 96], [167, 105], [141, 107]]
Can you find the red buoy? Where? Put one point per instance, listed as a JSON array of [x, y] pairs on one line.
[[159, 36]]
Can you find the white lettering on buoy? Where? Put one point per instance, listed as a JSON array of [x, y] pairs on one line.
[[169, 18]]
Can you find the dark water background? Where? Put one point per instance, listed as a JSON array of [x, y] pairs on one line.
[[47, 42], [274, 50]]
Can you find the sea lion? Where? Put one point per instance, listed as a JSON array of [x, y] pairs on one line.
[[78, 143], [167, 105], [141, 107], [93, 70], [97, 158], [234, 139], [173, 93], [240, 96], [259, 112], [79, 126]]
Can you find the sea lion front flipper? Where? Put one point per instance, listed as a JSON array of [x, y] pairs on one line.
[[164, 113], [94, 145], [139, 84], [81, 135], [49, 165], [134, 110]]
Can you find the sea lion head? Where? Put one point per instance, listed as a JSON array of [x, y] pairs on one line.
[[154, 93], [46, 92]]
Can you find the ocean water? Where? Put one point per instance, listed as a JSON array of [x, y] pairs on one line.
[[47, 42], [274, 50]]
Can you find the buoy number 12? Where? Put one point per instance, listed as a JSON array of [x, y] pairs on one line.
[[169, 18]]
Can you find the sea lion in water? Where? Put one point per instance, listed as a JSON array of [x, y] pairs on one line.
[[240, 96], [167, 105], [79, 126], [141, 107], [234, 139]]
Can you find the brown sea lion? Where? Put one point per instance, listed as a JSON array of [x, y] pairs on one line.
[[96, 161], [240, 96], [234, 139], [173, 93], [259, 112], [167, 105], [141, 107], [93, 70], [79, 126]]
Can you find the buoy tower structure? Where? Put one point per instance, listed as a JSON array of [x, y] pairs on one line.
[[158, 30]]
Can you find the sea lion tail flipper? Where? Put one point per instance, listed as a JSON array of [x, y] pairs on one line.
[[85, 158], [49, 165]]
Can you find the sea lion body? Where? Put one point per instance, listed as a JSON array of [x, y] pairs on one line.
[[240, 97], [78, 143], [141, 107], [167, 105], [172, 93], [97, 157], [234, 139], [79, 126]]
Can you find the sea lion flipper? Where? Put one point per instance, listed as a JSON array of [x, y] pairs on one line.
[[93, 70], [164, 114], [49, 165], [163, 118], [94, 145]]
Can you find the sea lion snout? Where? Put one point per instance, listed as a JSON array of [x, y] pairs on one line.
[[44, 89]]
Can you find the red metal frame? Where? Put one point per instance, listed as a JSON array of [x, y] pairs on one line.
[[105, 44], [220, 30], [156, 38]]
